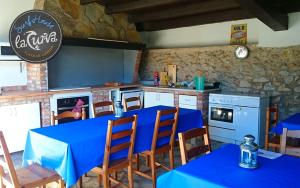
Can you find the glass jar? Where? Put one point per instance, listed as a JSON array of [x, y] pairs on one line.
[[249, 151], [118, 109]]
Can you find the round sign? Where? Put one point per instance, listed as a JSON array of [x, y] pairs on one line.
[[35, 36]]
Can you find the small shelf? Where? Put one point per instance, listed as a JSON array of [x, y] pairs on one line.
[[101, 43]]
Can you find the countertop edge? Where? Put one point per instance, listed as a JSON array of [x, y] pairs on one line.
[[182, 89], [31, 93]]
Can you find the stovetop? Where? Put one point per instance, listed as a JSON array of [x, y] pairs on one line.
[[236, 99], [239, 94]]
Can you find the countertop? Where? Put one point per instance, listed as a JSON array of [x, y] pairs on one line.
[[30, 93], [181, 89]]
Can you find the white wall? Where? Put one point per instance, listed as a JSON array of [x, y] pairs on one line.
[[12, 73], [291, 37], [219, 34], [9, 10]]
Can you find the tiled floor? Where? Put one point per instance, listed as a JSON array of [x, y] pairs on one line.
[[91, 180]]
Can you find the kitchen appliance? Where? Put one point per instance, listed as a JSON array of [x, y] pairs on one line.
[[234, 115], [123, 93], [7, 53], [66, 102]]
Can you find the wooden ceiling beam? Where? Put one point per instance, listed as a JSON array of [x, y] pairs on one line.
[[183, 10], [211, 17], [84, 2], [276, 20], [139, 5]]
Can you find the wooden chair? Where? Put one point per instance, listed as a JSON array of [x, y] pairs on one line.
[[67, 114], [110, 167], [272, 140], [102, 104], [187, 154], [133, 107], [168, 126], [283, 146], [31, 176]]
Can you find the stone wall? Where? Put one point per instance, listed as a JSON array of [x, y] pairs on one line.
[[268, 71], [84, 21]]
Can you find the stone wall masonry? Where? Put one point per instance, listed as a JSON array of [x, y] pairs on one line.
[[85, 21], [267, 71]]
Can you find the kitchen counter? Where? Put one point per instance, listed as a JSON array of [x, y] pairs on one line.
[[29, 93], [166, 88]]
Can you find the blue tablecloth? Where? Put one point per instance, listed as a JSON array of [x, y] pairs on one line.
[[73, 149], [220, 169], [291, 123]]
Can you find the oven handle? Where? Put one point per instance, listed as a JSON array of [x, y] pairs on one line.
[[70, 108], [233, 107]]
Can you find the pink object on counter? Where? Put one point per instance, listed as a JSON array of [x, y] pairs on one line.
[[77, 107]]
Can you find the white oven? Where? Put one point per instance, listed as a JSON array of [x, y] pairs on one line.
[[232, 116], [124, 93], [222, 116]]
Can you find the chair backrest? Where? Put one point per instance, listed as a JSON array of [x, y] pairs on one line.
[[165, 127], [103, 112], [187, 154], [123, 144], [7, 162], [271, 120], [132, 107], [67, 114], [289, 150]]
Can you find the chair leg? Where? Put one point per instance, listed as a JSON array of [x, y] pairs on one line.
[[147, 161], [137, 162], [79, 183], [130, 179], [153, 170], [116, 175], [171, 159], [99, 180], [105, 180], [61, 183]]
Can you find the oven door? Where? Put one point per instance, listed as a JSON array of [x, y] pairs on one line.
[[222, 116]]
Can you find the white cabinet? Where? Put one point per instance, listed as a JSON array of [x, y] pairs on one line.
[[187, 101], [156, 98], [16, 120]]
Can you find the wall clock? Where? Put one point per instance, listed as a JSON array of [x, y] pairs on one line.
[[241, 52]]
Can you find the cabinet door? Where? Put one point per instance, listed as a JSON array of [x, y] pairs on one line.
[[187, 101], [166, 99], [16, 120], [151, 99]]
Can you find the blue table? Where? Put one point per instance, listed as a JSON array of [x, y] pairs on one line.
[[291, 123], [72, 149], [220, 169]]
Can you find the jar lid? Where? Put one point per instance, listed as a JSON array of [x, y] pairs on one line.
[[249, 138]]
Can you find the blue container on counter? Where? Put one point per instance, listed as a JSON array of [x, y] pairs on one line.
[[199, 82]]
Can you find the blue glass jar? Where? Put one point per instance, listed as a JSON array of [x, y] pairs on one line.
[[119, 109], [249, 151]]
